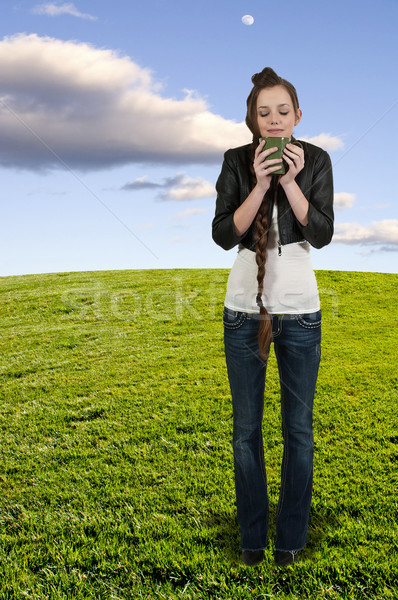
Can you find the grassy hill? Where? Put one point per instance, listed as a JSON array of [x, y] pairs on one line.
[[116, 477]]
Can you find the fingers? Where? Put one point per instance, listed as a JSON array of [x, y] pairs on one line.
[[293, 154], [294, 157], [261, 165], [266, 167], [264, 153]]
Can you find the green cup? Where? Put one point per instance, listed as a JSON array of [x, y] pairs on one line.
[[280, 143]]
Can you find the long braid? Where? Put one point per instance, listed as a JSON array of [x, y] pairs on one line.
[[261, 237]]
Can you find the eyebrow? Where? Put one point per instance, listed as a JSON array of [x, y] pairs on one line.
[[279, 105]]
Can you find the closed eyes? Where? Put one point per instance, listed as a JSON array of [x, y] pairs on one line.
[[262, 114]]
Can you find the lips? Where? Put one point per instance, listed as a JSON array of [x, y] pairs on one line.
[[273, 131]]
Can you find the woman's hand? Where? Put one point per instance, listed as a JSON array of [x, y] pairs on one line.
[[264, 168], [247, 211], [294, 156]]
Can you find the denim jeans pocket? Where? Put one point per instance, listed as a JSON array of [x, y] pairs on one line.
[[233, 319], [310, 320]]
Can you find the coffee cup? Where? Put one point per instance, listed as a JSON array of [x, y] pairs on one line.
[[280, 143]]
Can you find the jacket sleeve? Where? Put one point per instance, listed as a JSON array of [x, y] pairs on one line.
[[319, 229], [228, 200]]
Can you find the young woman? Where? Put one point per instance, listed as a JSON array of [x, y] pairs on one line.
[[272, 296]]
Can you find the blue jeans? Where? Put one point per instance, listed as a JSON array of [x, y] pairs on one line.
[[296, 340]]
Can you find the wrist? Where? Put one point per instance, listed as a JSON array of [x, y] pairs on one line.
[[289, 185], [261, 189]]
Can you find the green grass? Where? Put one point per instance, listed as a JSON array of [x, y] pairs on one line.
[[116, 477]]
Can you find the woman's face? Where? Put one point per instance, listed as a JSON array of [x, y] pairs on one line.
[[275, 112]]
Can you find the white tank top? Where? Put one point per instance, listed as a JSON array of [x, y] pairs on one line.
[[289, 285]]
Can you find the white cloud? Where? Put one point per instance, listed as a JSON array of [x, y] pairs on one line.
[[92, 108], [180, 187], [191, 189], [189, 212], [379, 232], [325, 141], [69, 104], [343, 200], [53, 9]]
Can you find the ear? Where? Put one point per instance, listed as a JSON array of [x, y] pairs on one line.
[[298, 117]]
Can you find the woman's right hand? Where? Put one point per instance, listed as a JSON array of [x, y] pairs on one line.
[[264, 168]]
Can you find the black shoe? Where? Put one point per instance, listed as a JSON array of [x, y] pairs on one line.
[[282, 559], [252, 557]]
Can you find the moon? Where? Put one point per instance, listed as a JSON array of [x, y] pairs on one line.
[[247, 20]]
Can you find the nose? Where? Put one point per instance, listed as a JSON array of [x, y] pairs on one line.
[[274, 118]]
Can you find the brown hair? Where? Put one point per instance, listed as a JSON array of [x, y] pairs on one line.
[[267, 78]]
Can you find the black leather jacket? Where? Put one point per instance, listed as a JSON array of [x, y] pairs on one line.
[[315, 181]]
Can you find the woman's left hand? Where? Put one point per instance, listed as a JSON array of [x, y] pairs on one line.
[[294, 156]]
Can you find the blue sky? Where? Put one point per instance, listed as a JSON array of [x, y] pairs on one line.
[[114, 117]]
